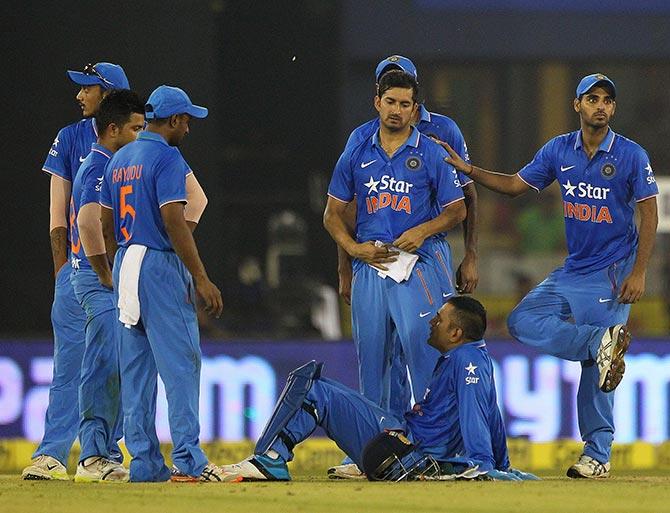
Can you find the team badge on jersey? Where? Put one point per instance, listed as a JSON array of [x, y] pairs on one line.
[[413, 163], [608, 171]]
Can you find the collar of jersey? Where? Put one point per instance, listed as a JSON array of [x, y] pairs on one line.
[[412, 140], [152, 136], [475, 343], [424, 114], [605, 146], [101, 149]]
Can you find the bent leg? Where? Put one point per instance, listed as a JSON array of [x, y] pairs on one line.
[[543, 320], [348, 418]]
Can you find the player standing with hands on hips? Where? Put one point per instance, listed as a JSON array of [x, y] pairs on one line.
[[157, 271], [579, 311]]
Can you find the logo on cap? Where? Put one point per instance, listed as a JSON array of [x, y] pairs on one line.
[[413, 163], [600, 76], [608, 171], [394, 58]]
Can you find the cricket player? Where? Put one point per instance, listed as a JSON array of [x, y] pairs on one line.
[[455, 429], [398, 395], [157, 271], [119, 119], [579, 312], [68, 151], [394, 177]]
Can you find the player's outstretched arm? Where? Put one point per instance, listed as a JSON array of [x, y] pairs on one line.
[[60, 190], [467, 276], [451, 215], [334, 220], [184, 245], [90, 233], [633, 286], [503, 183]]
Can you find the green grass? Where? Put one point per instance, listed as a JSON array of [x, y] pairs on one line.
[[636, 492]]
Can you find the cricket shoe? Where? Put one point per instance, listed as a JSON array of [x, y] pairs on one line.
[[101, 470], [45, 468], [589, 468], [346, 471], [210, 474], [611, 366], [260, 468]]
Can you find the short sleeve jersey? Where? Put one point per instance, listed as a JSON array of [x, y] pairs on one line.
[[394, 194], [599, 195], [68, 151], [431, 124], [458, 415], [139, 179], [70, 148], [85, 190]]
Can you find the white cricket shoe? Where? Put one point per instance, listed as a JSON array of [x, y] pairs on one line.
[[101, 470], [587, 467], [260, 467], [346, 471], [210, 474], [45, 468], [611, 365]]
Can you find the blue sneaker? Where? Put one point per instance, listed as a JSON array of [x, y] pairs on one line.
[[260, 468]]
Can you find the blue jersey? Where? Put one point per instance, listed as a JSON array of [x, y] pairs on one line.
[[70, 148], [458, 415], [394, 194], [68, 151], [599, 195], [139, 179], [431, 124], [85, 190]]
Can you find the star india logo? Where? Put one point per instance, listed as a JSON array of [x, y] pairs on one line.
[[471, 378]]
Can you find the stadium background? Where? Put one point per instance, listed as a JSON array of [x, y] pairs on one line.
[[285, 82]]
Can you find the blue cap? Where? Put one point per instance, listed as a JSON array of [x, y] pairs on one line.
[[104, 74], [167, 101], [589, 81], [395, 62]]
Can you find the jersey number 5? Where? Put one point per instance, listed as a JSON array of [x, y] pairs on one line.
[[126, 209]]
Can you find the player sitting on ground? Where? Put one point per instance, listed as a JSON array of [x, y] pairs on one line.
[[456, 430]]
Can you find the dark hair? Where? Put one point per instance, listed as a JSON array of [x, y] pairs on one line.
[[470, 316], [117, 107], [398, 78]]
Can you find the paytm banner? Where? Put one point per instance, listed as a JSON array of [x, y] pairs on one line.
[[241, 381]]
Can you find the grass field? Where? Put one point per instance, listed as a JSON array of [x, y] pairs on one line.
[[632, 492]]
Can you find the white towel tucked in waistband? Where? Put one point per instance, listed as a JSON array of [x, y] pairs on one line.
[[401, 269], [129, 277]]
